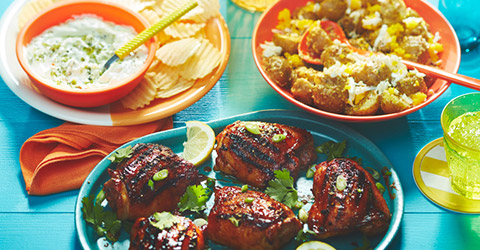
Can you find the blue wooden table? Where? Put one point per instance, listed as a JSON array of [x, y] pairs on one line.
[[47, 222]]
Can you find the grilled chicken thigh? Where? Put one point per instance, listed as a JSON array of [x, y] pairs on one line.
[[252, 157], [346, 200], [133, 191], [250, 220], [183, 235]]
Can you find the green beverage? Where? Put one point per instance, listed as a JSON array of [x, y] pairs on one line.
[[464, 164], [461, 126]]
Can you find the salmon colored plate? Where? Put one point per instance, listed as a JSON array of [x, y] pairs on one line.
[[438, 23], [108, 115]]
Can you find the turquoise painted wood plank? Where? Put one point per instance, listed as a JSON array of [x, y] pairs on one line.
[[38, 231], [438, 231]]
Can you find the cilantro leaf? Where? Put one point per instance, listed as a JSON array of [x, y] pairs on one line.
[[121, 154], [104, 222], [332, 149], [281, 188], [194, 199], [164, 220], [304, 235]]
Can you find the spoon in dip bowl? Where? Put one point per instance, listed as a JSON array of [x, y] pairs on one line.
[[336, 32], [145, 35]]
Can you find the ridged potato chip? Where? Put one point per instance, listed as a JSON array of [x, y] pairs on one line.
[[141, 96], [159, 77], [151, 16], [178, 52], [183, 30], [164, 76], [31, 8], [202, 63], [169, 6], [179, 86], [135, 5]]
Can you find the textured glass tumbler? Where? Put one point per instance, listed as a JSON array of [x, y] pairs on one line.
[[464, 17], [461, 137]]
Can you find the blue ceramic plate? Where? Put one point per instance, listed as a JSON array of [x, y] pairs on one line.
[[322, 131]]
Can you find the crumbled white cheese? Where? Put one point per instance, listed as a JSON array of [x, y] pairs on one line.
[[270, 49], [383, 37]]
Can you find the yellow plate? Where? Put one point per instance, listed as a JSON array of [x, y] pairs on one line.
[[431, 175]]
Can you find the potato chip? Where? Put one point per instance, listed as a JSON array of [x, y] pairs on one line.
[[196, 14], [183, 30], [180, 86], [141, 96], [160, 77], [211, 8], [32, 8], [156, 7], [151, 16], [202, 63], [135, 5], [178, 52], [164, 76]]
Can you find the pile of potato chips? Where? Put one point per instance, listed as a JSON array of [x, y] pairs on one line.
[[184, 53]]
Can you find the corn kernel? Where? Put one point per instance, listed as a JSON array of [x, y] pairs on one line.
[[355, 4], [395, 29], [392, 91], [348, 70], [359, 97], [284, 19], [373, 8], [418, 98]]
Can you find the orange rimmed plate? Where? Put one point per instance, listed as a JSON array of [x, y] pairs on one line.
[[438, 23], [108, 115]]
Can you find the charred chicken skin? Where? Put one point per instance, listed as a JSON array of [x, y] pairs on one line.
[[252, 157], [250, 220], [183, 235], [346, 200], [133, 192]]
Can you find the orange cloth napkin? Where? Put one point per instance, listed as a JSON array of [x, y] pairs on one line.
[[59, 159]]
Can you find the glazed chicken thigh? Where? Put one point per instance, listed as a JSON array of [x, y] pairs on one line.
[[133, 191], [252, 157], [250, 220], [183, 235], [346, 200]]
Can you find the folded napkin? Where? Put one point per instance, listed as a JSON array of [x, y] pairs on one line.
[[59, 159]]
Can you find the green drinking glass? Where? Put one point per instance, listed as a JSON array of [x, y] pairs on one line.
[[461, 137]]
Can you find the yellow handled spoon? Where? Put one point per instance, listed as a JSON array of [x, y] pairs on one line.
[[149, 33]]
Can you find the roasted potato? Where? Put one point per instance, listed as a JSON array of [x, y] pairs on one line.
[[333, 9], [302, 90], [289, 43], [411, 84], [391, 102], [280, 70], [318, 40], [368, 105], [331, 95]]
